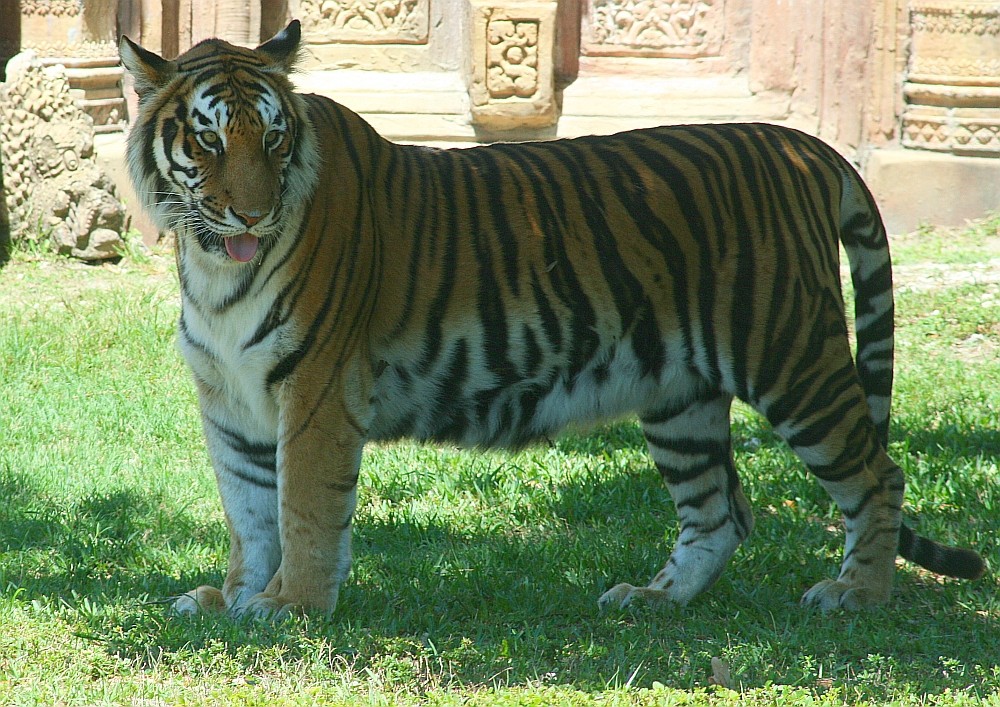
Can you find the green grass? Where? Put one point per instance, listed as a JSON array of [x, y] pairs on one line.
[[975, 243], [476, 575]]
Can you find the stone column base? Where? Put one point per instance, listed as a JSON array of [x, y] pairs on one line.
[[915, 186], [96, 86]]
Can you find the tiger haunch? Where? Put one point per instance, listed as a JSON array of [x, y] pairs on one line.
[[338, 289]]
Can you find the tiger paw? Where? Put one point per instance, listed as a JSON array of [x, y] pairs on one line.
[[203, 600], [621, 595], [832, 594], [264, 607]]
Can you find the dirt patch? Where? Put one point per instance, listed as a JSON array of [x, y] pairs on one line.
[[921, 277], [28, 284], [977, 348]]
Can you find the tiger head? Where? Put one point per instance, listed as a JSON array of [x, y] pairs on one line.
[[221, 151]]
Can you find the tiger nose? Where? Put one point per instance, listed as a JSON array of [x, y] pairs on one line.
[[250, 218]]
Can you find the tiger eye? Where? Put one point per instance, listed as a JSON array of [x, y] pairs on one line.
[[273, 138], [209, 138]]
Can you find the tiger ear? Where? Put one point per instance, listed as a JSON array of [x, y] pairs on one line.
[[283, 48], [150, 70]]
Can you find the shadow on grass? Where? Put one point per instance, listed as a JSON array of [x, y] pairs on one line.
[[978, 441], [512, 601], [107, 546]]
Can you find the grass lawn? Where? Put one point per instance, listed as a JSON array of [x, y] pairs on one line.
[[476, 575]]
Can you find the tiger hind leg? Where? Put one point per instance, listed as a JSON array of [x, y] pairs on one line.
[[870, 498], [693, 452], [824, 417]]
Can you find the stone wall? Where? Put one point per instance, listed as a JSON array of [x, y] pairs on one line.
[[908, 89]]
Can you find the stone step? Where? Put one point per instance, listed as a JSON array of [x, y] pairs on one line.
[[434, 106]]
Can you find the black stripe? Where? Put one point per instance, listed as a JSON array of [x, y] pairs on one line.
[[450, 407], [492, 176], [404, 173], [448, 262], [249, 477], [583, 338], [261, 454]]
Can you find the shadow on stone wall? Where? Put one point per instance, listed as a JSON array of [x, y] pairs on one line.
[[4, 222]]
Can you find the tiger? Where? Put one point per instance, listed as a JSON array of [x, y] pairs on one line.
[[339, 289]]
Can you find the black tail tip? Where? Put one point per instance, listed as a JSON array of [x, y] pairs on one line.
[[940, 559], [967, 564]]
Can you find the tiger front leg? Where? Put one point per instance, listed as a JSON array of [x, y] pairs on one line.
[[319, 456], [244, 460]]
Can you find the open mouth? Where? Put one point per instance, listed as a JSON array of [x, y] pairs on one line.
[[243, 247]]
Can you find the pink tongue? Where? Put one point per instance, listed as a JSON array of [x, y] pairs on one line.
[[242, 248]]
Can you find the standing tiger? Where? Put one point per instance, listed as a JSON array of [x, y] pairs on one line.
[[337, 288]]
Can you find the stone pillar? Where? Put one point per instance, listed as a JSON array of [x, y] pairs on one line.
[[80, 35], [237, 21], [890, 30], [274, 15], [950, 123], [953, 88], [513, 73]]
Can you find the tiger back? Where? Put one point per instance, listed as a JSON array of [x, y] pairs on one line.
[[338, 289]]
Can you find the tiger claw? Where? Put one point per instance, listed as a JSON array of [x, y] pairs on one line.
[[272, 609], [620, 595], [624, 594], [203, 600], [832, 594]]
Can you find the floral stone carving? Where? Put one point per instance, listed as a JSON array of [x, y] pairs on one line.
[[513, 76], [52, 186], [668, 28], [512, 58], [366, 21]]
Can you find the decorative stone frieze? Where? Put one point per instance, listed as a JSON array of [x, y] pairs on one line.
[[654, 28], [513, 77], [953, 85], [52, 8], [365, 21]]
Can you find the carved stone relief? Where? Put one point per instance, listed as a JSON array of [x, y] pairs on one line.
[[513, 77], [955, 40], [953, 85], [365, 21], [53, 187], [512, 58], [655, 28]]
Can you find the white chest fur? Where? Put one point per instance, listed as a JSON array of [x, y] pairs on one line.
[[231, 352]]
